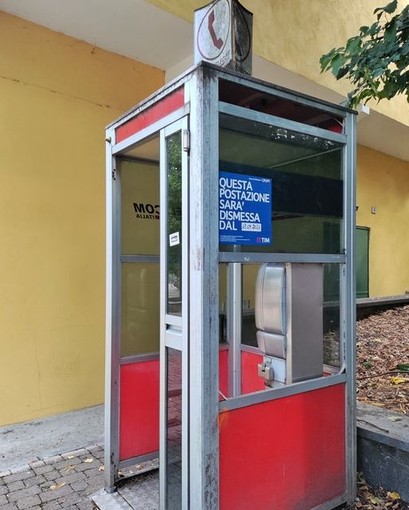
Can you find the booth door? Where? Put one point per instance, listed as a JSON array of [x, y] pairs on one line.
[[139, 308], [174, 447]]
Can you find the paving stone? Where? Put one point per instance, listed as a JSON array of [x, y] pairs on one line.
[[28, 502], [70, 455], [23, 475], [94, 483], [45, 468], [24, 493], [35, 480], [4, 489], [87, 457], [53, 459], [36, 464], [85, 505], [75, 453], [52, 475], [92, 472], [66, 463], [52, 505], [87, 466], [70, 500], [33, 460], [95, 447], [5, 473], [55, 494], [71, 478], [9, 506], [79, 486], [16, 486], [20, 469], [3, 500], [97, 450]]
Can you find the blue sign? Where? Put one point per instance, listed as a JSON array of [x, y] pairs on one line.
[[244, 209]]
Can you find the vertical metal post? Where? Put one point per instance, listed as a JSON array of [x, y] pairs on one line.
[[162, 350], [234, 310], [112, 331], [203, 293], [350, 302], [185, 321]]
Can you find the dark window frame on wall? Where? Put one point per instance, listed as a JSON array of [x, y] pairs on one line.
[[362, 235]]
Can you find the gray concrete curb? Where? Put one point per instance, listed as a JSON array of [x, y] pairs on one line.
[[383, 448]]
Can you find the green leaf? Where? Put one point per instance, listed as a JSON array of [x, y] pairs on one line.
[[337, 62], [390, 8], [373, 29], [325, 61], [390, 33], [342, 72], [353, 44]]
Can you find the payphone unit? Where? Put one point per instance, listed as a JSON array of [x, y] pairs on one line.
[[289, 319]]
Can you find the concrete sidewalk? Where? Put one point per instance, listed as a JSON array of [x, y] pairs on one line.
[[52, 463], [45, 437]]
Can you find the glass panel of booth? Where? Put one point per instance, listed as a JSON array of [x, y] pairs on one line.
[[174, 224], [304, 192], [280, 104], [137, 227], [280, 192], [138, 172], [139, 308], [174, 429], [327, 343], [174, 328]]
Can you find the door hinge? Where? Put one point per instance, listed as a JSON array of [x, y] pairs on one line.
[[186, 140], [114, 174]]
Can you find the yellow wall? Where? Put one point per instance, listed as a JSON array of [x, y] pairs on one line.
[[383, 182], [294, 34], [56, 96]]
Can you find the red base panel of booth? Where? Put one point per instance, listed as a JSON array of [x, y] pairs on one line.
[[139, 406], [250, 380], [286, 454], [139, 409], [223, 374]]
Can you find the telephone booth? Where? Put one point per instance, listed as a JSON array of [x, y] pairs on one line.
[[230, 295]]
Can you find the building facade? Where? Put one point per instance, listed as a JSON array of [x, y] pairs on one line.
[[63, 77]]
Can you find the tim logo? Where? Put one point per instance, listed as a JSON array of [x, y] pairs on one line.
[[262, 240], [146, 211]]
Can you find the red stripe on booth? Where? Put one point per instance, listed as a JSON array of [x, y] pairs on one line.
[[157, 111]]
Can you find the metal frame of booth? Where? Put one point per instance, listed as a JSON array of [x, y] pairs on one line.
[[222, 450]]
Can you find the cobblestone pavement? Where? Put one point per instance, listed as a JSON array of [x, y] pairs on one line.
[[52, 483]]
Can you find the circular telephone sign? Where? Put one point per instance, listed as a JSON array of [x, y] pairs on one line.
[[214, 31]]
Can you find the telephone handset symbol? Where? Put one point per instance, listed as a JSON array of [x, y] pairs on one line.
[[217, 41]]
